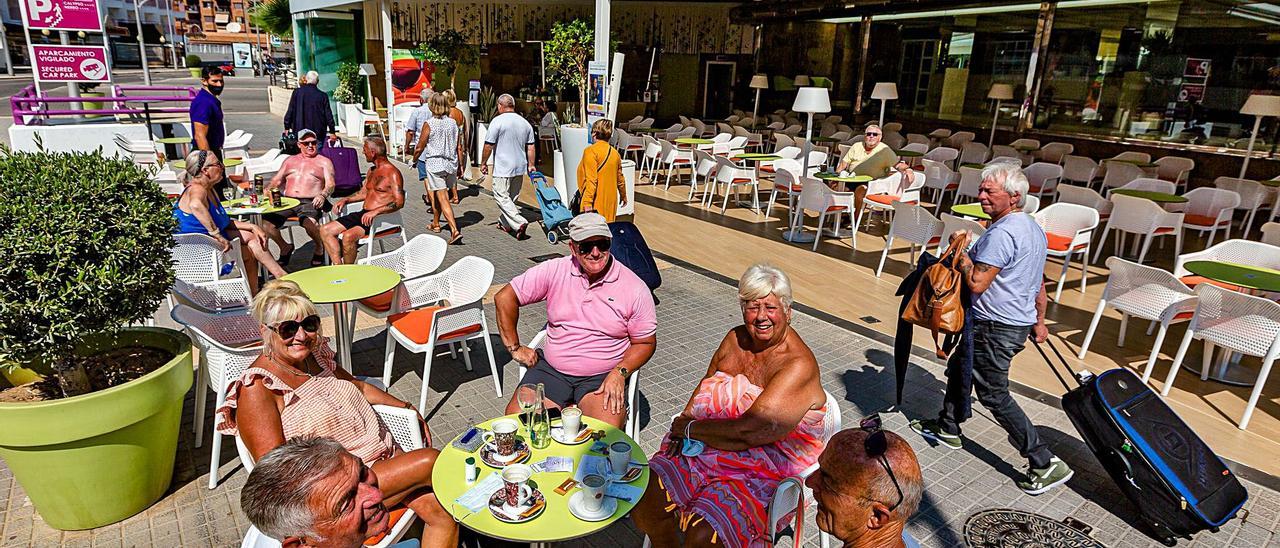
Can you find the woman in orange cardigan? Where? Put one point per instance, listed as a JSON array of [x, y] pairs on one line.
[[600, 174]]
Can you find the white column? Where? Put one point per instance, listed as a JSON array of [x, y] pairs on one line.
[[142, 47], [386, 64], [602, 31]]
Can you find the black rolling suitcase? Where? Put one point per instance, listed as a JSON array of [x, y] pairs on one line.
[[630, 249], [1177, 483]]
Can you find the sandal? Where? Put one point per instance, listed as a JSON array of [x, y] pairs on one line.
[[435, 228], [457, 237]]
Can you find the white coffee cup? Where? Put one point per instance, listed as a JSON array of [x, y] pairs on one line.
[[571, 422], [516, 490], [593, 490], [619, 457]]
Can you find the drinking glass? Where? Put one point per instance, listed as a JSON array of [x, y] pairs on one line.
[[527, 399]]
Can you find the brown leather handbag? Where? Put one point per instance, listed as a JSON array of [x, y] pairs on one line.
[[936, 301]]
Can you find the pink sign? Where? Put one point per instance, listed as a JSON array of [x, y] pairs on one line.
[[63, 15], [70, 63]]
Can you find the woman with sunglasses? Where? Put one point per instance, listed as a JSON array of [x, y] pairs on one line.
[[296, 388], [198, 211]]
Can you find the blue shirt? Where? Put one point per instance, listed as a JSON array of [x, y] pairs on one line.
[[908, 541], [207, 109], [1016, 245]]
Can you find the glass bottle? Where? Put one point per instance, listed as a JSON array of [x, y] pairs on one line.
[[540, 423]]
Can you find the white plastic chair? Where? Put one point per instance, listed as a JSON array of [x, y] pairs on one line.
[[459, 317], [732, 177], [952, 223], [1253, 196], [1175, 169], [1042, 177], [1079, 170], [970, 178], [792, 492], [959, 139], [632, 428], [198, 260], [939, 134], [1030, 205], [918, 138], [787, 180], [629, 144], [1146, 293], [385, 225], [1238, 323], [143, 153], [1271, 234], [1149, 184], [237, 147], [704, 167], [1143, 218], [228, 342], [1087, 197], [817, 197], [912, 223], [1006, 151], [781, 141], [1119, 174], [973, 153], [939, 178], [1069, 229], [211, 296], [672, 158], [419, 257], [946, 155], [1237, 251], [1054, 152], [407, 431]]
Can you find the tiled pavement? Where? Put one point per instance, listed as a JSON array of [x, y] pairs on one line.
[[694, 313]]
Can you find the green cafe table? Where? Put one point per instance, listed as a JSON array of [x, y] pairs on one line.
[[908, 153], [1026, 148], [693, 141], [1271, 183], [844, 180], [1141, 164], [1157, 197], [229, 162], [757, 157], [240, 207], [1246, 277], [180, 144], [339, 285], [556, 523], [973, 211]]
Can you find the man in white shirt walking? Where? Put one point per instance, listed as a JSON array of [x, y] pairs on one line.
[[511, 141]]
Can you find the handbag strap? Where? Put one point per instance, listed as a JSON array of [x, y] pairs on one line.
[[607, 153], [953, 251]]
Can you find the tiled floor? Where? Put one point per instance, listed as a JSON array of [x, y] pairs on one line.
[[694, 313]]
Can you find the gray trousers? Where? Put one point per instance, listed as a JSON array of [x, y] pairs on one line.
[[505, 189]]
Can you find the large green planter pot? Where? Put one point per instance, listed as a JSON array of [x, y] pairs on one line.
[[195, 72], [93, 105], [99, 458]]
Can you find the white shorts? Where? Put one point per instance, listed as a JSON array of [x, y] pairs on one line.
[[441, 181]]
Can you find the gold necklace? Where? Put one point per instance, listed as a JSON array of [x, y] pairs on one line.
[[290, 368]]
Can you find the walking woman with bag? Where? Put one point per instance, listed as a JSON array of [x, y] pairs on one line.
[[600, 182]]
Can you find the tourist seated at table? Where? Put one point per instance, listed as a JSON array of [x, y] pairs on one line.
[[600, 174], [875, 159], [601, 324], [307, 176], [198, 211], [867, 485], [310, 491], [297, 389], [383, 192], [758, 416]]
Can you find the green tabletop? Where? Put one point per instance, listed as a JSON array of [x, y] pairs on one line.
[[556, 523], [345, 282], [239, 206], [1026, 148], [830, 176], [973, 165], [970, 210], [649, 130], [1251, 277], [1158, 197], [229, 162], [1134, 162], [757, 157], [694, 141], [174, 140], [1271, 183], [908, 153]]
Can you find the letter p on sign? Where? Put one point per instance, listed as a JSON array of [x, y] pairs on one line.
[[39, 7]]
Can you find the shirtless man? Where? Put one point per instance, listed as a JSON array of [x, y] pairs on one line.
[[383, 192], [759, 405], [309, 178]]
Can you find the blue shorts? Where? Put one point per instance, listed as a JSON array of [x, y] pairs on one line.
[[422, 170]]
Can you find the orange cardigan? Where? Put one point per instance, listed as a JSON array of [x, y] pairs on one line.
[[600, 179]]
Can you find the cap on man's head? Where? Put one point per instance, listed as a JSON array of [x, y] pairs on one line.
[[588, 225], [305, 133]]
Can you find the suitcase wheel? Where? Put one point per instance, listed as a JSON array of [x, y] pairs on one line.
[[1169, 541], [551, 236]]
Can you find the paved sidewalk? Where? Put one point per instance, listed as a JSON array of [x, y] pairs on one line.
[[695, 312]]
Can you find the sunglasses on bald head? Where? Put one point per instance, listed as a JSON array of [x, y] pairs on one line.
[[288, 328], [876, 445]]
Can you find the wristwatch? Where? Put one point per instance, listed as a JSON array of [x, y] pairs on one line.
[[622, 371]]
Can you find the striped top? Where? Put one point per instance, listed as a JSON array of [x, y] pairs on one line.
[[441, 153], [324, 405]]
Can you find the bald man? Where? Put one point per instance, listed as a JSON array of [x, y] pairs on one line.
[[867, 485]]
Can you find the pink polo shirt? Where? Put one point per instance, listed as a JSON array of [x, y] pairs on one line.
[[589, 326]]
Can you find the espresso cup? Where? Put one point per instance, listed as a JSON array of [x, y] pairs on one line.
[[593, 489], [502, 438], [619, 457], [515, 487], [571, 422]]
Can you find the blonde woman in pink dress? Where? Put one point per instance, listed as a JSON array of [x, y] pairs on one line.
[[296, 388], [758, 416]]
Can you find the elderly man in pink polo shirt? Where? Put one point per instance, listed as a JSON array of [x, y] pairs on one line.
[[601, 324]]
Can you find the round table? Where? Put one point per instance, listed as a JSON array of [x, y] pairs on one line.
[[908, 153], [229, 162], [181, 144], [239, 206], [556, 523], [1157, 197], [970, 210], [693, 141], [1255, 278], [1141, 164], [846, 179], [1271, 183], [339, 285], [1026, 148], [757, 157]]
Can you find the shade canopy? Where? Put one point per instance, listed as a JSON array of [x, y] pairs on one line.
[[809, 99], [802, 80], [1000, 92], [759, 81], [885, 90], [366, 69], [1262, 105]]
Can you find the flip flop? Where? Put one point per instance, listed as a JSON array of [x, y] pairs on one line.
[[457, 237], [454, 201], [435, 228], [317, 260]]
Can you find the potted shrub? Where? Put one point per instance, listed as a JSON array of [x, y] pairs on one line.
[[571, 46], [193, 64], [87, 90], [448, 51], [485, 111], [349, 97], [91, 425]]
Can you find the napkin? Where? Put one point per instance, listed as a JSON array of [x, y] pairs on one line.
[[477, 497]]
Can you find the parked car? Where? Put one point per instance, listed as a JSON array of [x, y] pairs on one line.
[[226, 66]]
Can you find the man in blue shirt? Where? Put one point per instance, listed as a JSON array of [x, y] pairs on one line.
[[1004, 272], [207, 131], [867, 485]]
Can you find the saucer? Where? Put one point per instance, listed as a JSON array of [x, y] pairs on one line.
[[607, 507], [491, 457], [557, 433], [506, 514], [633, 472]]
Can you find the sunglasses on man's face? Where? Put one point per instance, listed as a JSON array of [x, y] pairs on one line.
[[876, 445], [288, 328], [586, 247], [872, 134], [307, 143]]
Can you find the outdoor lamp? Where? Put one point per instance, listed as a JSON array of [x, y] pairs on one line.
[[802, 81], [367, 70], [1258, 106], [884, 91], [758, 82], [999, 93], [809, 100]]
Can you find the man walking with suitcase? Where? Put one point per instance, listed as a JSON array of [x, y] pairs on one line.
[[511, 142], [1004, 272]]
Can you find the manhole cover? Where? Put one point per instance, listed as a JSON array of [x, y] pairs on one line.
[[1007, 528], [547, 257]]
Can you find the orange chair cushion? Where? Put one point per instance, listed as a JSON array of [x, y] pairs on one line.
[[768, 169], [794, 188], [885, 199], [392, 520], [416, 325], [1192, 281], [380, 302], [1060, 243], [1203, 220], [837, 208], [1164, 230]]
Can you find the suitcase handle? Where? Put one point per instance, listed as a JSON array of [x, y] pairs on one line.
[[1053, 366], [1128, 468]]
